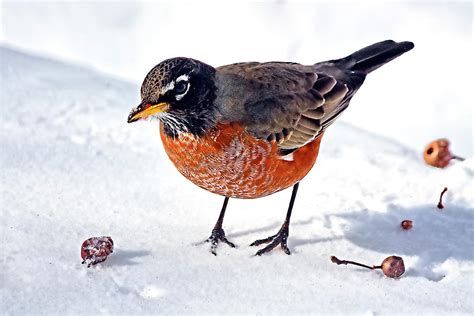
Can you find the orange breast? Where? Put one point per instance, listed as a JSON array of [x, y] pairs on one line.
[[232, 163]]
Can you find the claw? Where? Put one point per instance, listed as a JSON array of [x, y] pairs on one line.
[[218, 235], [279, 239], [263, 241]]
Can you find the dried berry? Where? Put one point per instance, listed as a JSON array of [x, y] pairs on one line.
[[392, 266], [437, 153], [407, 224], [96, 249]]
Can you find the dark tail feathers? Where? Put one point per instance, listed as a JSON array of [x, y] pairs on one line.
[[372, 57]]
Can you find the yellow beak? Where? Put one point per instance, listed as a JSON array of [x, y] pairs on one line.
[[144, 110]]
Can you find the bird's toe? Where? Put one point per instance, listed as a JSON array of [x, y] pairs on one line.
[[278, 239], [218, 235]]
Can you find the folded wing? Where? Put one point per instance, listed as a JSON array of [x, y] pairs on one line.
[[288, 103]]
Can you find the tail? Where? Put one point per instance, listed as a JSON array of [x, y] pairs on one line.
[[350, 71], [372, 57]]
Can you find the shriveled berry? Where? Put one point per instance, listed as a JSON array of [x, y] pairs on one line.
[[393, 267], [437, 153], [96, 249], [407, 224]]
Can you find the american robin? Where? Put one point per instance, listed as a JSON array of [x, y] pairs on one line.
[[251, 129]]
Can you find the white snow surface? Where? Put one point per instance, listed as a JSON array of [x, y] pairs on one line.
[[72, 168]]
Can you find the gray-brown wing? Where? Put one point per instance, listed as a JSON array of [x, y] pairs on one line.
[[288, 103], [313, 122]]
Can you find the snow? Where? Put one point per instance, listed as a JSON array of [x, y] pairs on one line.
[[71, 168], [421, 96]]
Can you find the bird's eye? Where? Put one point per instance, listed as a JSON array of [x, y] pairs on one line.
[[180, 87]]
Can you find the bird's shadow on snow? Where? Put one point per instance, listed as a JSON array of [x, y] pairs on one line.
[[126, 257], [436, 236], [294, 243], [273, 228]]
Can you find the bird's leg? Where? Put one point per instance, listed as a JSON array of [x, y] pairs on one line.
[[218, 233], [282, 235]]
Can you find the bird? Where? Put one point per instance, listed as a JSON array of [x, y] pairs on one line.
[[250, 129]]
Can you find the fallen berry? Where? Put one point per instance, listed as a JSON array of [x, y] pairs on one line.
[[96, 249], [392, 266], [437, 153], [407, 224]]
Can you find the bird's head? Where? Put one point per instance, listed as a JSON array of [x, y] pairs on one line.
[[180, 92]]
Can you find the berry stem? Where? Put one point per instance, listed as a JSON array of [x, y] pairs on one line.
[[440, 203], [338, 262], [458, 158]]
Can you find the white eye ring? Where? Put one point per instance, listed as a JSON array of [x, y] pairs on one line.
[[180, 87], [179, 79]]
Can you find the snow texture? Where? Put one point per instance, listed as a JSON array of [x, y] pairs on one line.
[[71, 168]]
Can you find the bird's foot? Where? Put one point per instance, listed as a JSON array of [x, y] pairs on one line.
[[218, 235], [279, 238]]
